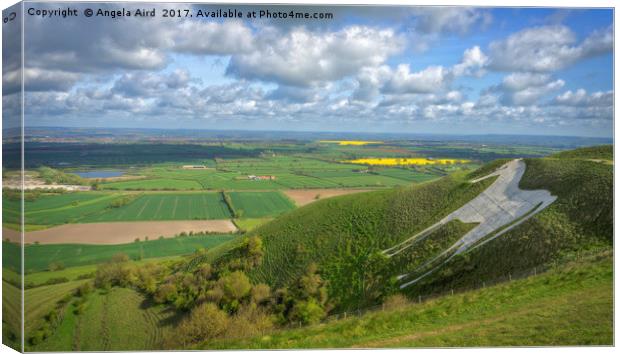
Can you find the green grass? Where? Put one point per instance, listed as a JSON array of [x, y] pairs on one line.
[[290, 172], [11, 315], [39, 301], [147, 207], [341, 234], [580, 219], [92, 207], [601, 152], [246, 225], [62, 208], [116, 319], [260, 204], [154, 184], [38, 257], [569, 306], [73, 273]]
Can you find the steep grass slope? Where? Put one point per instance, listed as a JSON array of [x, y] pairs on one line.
[[581, 218]]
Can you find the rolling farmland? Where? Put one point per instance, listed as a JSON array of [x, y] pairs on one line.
[[38, 257]]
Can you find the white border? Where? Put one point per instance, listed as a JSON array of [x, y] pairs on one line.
[[477, 3]]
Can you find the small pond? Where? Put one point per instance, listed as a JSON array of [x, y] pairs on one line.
[[99, 173]]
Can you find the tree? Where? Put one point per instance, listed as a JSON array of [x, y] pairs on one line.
[[261, 293], [235, 285], [54, 266], [166, 292], [204, 322]]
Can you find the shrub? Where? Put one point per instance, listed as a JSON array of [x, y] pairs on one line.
[[204, 322], [55, 266], [395, 301], [165, 293]]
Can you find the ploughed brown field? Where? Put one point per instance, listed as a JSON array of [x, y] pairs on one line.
[[302, 197], [118, 232]]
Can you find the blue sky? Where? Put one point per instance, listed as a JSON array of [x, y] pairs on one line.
[[404, 69]]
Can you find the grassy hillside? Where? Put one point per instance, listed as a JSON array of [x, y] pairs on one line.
[[568, 306], [116, 320], [581, 218], [344, 236], [601, 152]]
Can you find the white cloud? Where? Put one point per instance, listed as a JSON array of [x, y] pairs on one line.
[[304, 58], [546, 48], [527, 88], [581, 97], [449, 19], [431, 79], [472, 63]]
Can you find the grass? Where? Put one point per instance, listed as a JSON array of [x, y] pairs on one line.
[[11, 315], [154, 184], [290, 172], [38, 257], [39, 301], [246, 225], [580, 219], [148, 207], [601, 152], [342, 234], [90, 207], [568, 306], [59, 209], [260, 204], [115, 319], [73, 273]]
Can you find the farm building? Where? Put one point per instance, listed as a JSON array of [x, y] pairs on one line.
[[194, 167], [261, 178]]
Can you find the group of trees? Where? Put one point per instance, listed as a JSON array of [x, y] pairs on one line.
[[220, 299], [53, 176]]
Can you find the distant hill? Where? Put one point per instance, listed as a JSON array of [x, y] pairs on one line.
[[603, 152]]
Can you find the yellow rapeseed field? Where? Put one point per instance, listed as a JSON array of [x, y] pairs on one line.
[[389, 161], [350, 142]]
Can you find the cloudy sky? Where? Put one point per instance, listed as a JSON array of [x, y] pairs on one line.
[[403, 69]]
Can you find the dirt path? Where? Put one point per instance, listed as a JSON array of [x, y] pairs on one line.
[[118, 232], [302, 197]]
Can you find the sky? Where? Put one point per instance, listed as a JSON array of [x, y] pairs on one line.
[[449, 70]]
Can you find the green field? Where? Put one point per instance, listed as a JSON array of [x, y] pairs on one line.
[[260, 204], [155, 184], [568, 307], [88, 207], [38, 257], [57, 209], [291, 172], [196, 206], [111, 320]]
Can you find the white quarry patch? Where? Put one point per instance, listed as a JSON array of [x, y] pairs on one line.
[[497, 210]]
